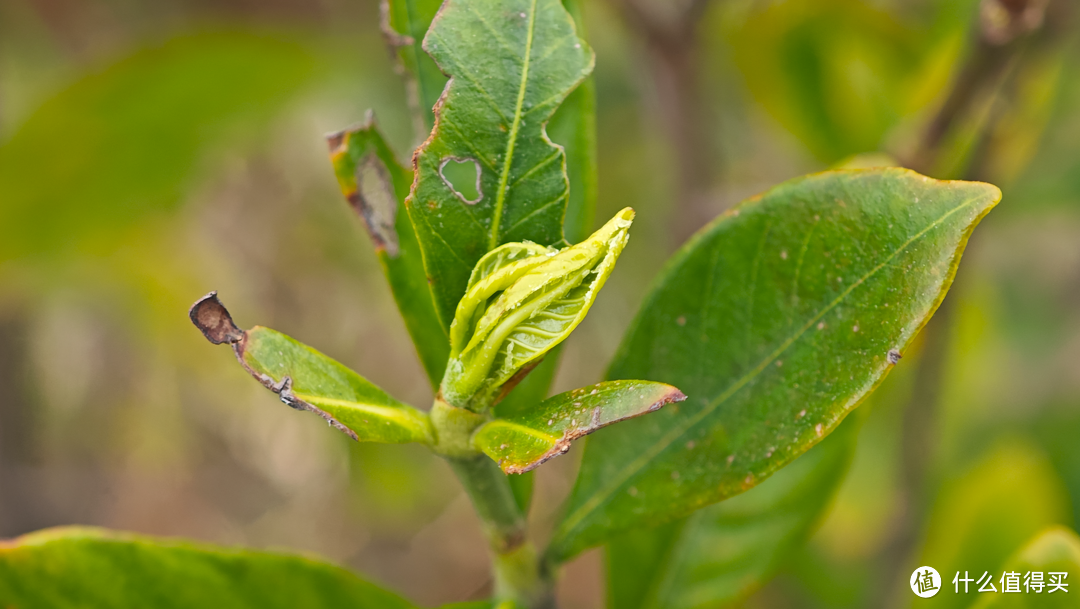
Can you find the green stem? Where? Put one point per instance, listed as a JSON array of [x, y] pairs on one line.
[[515, 562]]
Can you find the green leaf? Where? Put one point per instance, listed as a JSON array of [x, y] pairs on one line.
[[75, 567], [308, 380], [1055, 550], [519, 307], [511, 64], [721, 553], [404, 24], [376, 185], [523, 442], [776, 320], [573, 126]]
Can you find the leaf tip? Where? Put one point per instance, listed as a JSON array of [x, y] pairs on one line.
[[214, 321]]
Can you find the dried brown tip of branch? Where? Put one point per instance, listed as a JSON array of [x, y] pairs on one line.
[[213, 319]]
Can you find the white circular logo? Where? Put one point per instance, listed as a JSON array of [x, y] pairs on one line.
[[925, 582]]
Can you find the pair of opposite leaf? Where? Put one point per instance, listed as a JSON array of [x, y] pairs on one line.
[[521, 301]]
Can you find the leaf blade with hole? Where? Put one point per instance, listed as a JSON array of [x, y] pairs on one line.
[[526, 440], [376, 185], [511, 65], [308, 380], [850, 265], [72, 567]]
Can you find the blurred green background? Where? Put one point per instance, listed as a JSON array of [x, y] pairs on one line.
[[153, 151]]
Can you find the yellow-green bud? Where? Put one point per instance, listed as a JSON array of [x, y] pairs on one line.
[[523, 300]]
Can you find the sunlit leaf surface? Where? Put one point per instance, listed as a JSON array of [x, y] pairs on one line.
[[776, 320]]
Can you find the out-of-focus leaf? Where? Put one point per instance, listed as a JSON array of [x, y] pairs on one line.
[[125, 141], [982, 517], [308, 380], [1055, 550], [776, 320], [838, 74], [376, 185], [523, 442], [573, 126], [515, 316], [511, 65], [405, 22], [85, 567], [723, 552]]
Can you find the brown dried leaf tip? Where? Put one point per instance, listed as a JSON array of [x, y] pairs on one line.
[[213, 319]]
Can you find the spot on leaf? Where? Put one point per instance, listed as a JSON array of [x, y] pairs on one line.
[[376, 203]]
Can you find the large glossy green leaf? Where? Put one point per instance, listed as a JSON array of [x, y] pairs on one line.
[[1055, 550], [522, 442], [128, 139], [723, 552], [308, 380], [84, 567], [511, 65], [376, 185], [776, 320]]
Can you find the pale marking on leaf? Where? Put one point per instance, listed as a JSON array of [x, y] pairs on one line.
[[457, 193], [606, 492]]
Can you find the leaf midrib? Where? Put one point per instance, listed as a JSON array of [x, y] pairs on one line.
[[574, 519], [500, 196]]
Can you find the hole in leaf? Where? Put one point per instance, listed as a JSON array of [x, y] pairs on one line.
[[463, 177]]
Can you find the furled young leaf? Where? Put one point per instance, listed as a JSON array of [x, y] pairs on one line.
[[522, 442], [308, 380], [1055, 550], [721, 553], [511, 64], [75, 567], [376, 185], [540, 300], [777, 320]]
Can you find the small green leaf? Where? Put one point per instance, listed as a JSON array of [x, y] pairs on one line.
[[75, 567], [1055, 550], [722, 553], [308, 380], [523, 442], [511, 64], [510, 318], [376, 185], [777, 320]]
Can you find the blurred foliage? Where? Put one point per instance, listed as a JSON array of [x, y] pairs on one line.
[[152, 151]]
